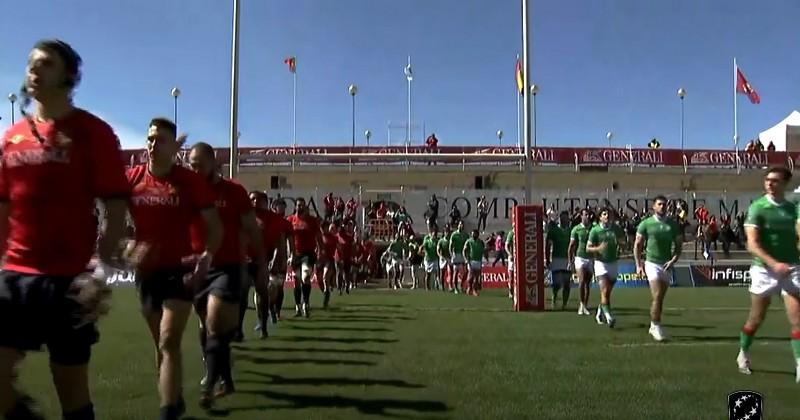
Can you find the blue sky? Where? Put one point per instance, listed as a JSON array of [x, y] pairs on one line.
[[603, 65]]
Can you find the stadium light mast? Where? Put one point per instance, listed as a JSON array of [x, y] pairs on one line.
[[175, 92], [609, 136], [681, 94], [500, 137], [367, 135], [353, 90], [526, 100], [534, 91], [233, 164], [13, 99]]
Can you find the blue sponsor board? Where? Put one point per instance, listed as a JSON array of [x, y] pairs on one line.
[[626, 277]]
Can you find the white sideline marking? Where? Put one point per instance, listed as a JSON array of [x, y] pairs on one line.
[[731, 344]]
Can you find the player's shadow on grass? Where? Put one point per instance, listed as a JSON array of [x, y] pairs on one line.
[[365, 311], [375, 305], [372, 318], [775, 372], [300, 338], [282, 380], [719, 339], [295, 350], [363, 405], [695, 327], [334, 328], [300, 360]]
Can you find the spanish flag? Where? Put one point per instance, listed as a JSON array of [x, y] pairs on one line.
[[520, 81], [291, 62]]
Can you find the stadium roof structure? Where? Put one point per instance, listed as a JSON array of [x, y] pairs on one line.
[[779, 133]]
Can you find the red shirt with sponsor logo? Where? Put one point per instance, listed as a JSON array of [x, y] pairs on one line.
[[329, 242], [163, 209], [232, 203], [344, 246], [272, 226], [305, 230], [51, 189]]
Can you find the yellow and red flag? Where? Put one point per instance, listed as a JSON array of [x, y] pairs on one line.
[[520, 81], [291, 61]]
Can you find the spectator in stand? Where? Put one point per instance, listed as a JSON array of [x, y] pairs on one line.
[[432, 143], [455, 215], [382, 210], [371, 213], [726, 234], [712, 233], [751, 146], [328, 202], [403, 220], [701, 214], [432, 214], [500, 248], [771, 147], [483, 213], [759, 145], [350, 210], [338, 209]]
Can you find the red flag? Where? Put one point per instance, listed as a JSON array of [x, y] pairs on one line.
[[743, 86], [291, 61], [518, 76]]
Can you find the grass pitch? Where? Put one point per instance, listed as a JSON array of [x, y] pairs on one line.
[[379, 354]]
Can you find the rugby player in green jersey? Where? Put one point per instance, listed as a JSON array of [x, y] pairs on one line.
[[580, 260], [473, 254], [772, 232], [556, 250], [457, 241], [663, 248], [604, 242], [431, 260], [443, 249]]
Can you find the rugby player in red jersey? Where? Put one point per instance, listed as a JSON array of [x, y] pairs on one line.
[[345, 248], [306, 234], [369, 250], [326, 265], [276, 236], [55, 163], [165, 199], [217, 298]]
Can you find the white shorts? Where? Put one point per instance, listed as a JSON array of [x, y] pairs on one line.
[[458, 260], [443, 263], [277, 280], [605, 269], [656, 272], [583, 264], [764, 283], [430, 266], [511, 266], [475, 265], [558, 264]]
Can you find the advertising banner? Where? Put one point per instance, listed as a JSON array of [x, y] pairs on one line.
[[529, 252], [720, 275], [494, 277]]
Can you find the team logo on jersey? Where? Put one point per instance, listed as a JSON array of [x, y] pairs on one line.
[[16, 139], [745, 405]]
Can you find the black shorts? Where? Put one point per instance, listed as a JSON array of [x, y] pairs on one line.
[[299, 260], [224, 282], [35, 311], [158, 286]]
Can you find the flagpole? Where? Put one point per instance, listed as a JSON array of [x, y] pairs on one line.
[[234, 123], [408, 127], [294, 108], [735, 116], [526, 122], [519, 132]]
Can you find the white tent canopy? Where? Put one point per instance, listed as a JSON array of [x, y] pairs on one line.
[[777, 134]]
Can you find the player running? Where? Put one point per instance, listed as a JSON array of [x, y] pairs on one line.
[[429, 249], [307, 239], [55, 163], [511, 252], [394, 255], [345, 248], [457, 241], [217, 297], [415, 259], [556, 251], [771, 227], [326, 263], [443, 250], [473, 253], [662, 236], [166, 197], [604, 245], [580, 260]]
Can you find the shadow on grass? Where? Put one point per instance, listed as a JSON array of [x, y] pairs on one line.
[[372, 318], [282, 380], [304, 339], [363, 405], [364, 311], [720, 339], [774, 372], [320, 328], [375, 305], [301, 360], [308, 350], [676, 326]]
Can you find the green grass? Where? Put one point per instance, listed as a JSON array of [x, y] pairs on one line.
[[429, 355]]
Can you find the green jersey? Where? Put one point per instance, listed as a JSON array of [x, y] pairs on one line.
[[474, 249], [457, 241], [776, 229], [429, 246], [510, 240], [580, 234], [607, 235], [444, 247], [399, 248], [660, 236], [559, 237]]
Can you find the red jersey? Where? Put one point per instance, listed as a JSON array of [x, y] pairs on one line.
[[344, 246], [305, 231], [163, 209], [232, 203], [272, 226], [51, 189]]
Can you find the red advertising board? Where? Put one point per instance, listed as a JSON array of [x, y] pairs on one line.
[[494, 277], [529, 252]]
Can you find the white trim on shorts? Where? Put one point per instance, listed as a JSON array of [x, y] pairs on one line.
[[609, 270], [764, 283]]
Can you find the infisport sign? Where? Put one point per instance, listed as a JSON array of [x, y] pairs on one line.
[[720, 275], [528, 248]]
